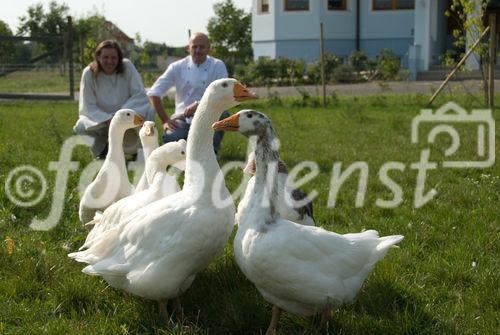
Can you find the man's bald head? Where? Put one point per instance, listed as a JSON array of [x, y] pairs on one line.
[[198, 47]]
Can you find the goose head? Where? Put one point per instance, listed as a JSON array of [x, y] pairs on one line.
[[126, 119], [257, 125], [148, 133], [171, 153], [227, 93], [249, 123]]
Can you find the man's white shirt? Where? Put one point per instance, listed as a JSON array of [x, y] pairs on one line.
[[190, 81]]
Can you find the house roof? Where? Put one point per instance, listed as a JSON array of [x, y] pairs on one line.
[[117, 33]]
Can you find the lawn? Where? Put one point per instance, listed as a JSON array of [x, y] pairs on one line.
[[444, 279], [50, 80]]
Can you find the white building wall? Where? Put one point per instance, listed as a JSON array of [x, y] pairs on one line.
[[295, 34], [385, 24], [339, 24], [263, 30]]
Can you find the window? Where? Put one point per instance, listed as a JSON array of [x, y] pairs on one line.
[[393, 4], [405, 4], [337, 4], [296, 4], [264, 6]]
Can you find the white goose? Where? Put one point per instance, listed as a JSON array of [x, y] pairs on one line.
[[161, 184], [300, 269], [293, 204], [149, 142], [111, 182], [158, 251]]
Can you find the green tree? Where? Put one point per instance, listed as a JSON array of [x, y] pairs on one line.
[[37, 22], [12, 53], [5, 47], [230, 34], [469, 16], [88, 34]]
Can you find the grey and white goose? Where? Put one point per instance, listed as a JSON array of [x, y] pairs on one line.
[[301, 269], [293, 204]]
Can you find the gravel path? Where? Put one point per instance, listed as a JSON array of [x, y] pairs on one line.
[[377, 88], [372, 88]]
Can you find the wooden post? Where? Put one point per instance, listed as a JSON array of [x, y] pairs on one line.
[[82, 52], [69, 46], [492, 60], [462, 61], [322, 62]]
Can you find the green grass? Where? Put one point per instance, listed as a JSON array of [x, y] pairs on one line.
[[428, 286], [52, 81], [37, 81]]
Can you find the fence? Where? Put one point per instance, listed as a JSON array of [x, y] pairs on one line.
[[38, 67]]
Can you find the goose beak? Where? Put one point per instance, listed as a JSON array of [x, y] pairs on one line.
[[241, 93], [138, 121], [231, 123]]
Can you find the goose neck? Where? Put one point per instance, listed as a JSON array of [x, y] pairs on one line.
[[266, 175], [115, 142], [200, 151], [147, 149], [152, 168]]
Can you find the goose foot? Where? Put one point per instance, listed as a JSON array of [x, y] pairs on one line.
[[162, 310], [325, 317], [271, 330], [177, 309]]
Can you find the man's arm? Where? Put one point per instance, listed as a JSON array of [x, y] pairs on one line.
[[158, 106], [189, 111], [161, 85]]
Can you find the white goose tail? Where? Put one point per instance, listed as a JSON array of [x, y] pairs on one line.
[[387, 242]]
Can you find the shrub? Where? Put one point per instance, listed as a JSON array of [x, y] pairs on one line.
[[344, 74], [274, 98], [290, 71], [358, 60], [267, 72], [388, 64], [306, 100], [245, 73], [331, 63]]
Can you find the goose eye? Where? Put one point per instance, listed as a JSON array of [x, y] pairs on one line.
[[249, 116], [224, 84], [128, 114], [182, 152]]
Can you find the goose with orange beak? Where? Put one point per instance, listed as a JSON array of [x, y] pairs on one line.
[[149, 141], [301, 269], [293, 203], [111, 182], [157, 252]]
